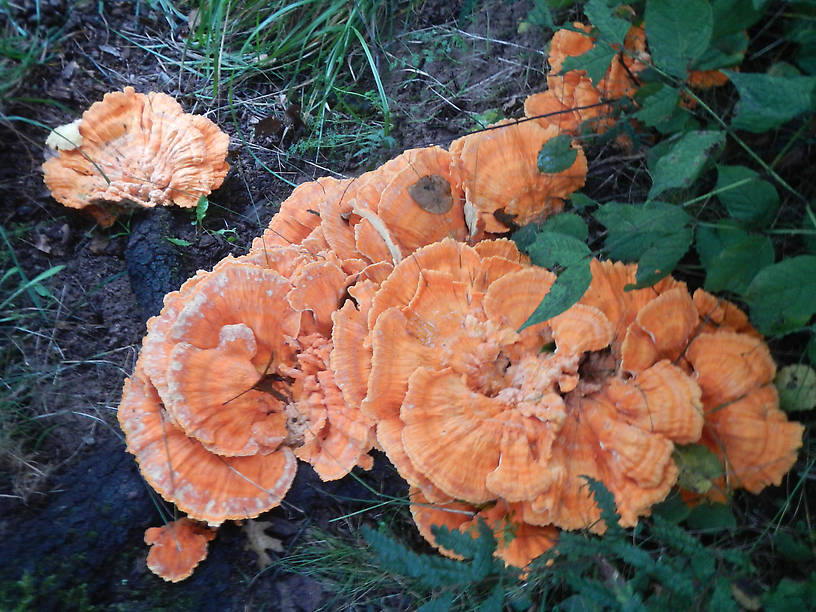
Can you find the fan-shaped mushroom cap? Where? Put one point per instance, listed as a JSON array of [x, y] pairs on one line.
[[569, 43], [717, 313], [336, 436], [620, 78], [206, 486], [607, 292], [138, 150], [177, 548], [712, 341], [518, 542], [299, 214], [569, 101], [225, 345], [744, 425], [423, 202], [499, 172]]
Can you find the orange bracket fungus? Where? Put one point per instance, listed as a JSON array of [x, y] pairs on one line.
[[380, 311], [500, 177], [177, 548], [137, 150]]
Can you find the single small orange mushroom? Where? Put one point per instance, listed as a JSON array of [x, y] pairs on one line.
[[138, 150], [177, 548]]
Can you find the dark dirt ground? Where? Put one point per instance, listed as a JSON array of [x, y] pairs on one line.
[[73, 510]]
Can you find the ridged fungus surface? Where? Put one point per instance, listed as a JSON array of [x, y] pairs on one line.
[[138, 150]]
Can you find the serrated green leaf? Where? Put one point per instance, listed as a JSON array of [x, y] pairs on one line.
[[698, 467], [567, 223], [796, 384], [179, 241], [732, 257], [551, 249], [632, 229], [595, 62], [779, 300], [540, 15], [711, 517], [556, 155], [660, 259], [613, 29], [766, 102], [682, 164], [568, 288], [605, 501], [678, 33], [749, 199], [659, 106]]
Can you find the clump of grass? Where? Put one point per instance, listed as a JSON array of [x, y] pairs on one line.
[[266, 57], [26, 307], [25, 42]]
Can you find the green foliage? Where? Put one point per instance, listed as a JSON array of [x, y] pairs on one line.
[[477, 582], [796, 384], [556, 155], [682, 164], [747, 198], [595, 61], [698, 467], [767, 102], [732, 256], [656, 234], [780, 301], [25, 303], [560, 243], [678, 33]]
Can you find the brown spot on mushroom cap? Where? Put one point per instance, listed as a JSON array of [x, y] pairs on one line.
[[499, 173], [433, 194], [423, 202], [206, 486], [177, 548], [138, 150]]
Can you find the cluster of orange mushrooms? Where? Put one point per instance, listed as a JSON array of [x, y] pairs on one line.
[[386, 312]]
